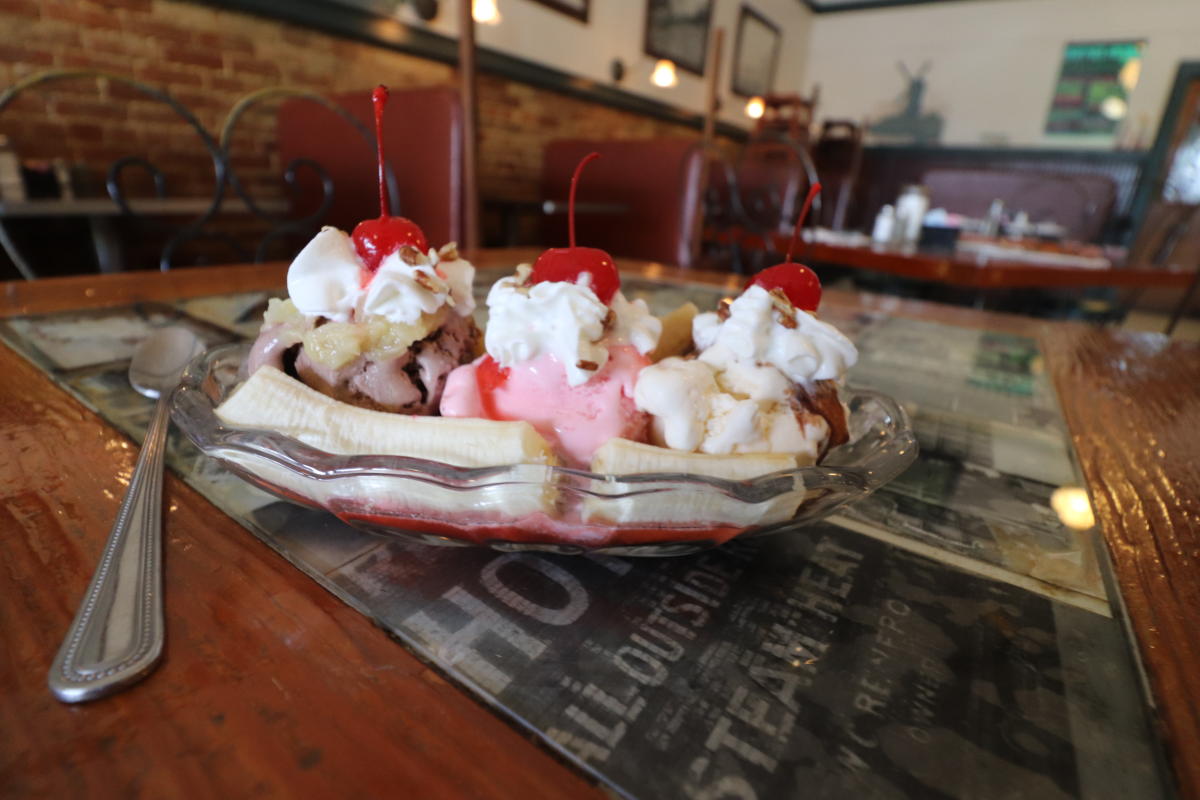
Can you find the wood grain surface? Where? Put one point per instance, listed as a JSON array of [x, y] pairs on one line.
[[271, 686], [1132, 402]]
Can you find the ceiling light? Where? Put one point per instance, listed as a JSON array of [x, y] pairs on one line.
[[485, 12], [1073, 508], [664, 74]]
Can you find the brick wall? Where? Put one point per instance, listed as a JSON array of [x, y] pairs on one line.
[[209, 58]]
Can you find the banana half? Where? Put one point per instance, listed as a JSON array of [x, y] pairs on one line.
[[272, 400], [671, 503]]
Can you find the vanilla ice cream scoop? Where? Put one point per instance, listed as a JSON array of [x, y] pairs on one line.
[[744, 392]]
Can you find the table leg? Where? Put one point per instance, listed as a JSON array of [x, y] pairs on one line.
[[1184, 302]]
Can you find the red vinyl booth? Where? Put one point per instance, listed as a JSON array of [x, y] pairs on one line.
[[658, 180], [423, 142]]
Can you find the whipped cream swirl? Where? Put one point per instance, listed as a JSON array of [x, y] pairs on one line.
[[697, 408], [565, 320], [810, 351], [326, 280], [735, 396]]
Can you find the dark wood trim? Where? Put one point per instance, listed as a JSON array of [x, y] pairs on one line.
[[563, 8], [1155, 164], [744, 13], [674, 59], [365, 26], [867, 5]]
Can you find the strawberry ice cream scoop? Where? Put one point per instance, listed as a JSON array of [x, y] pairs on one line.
[[575, 420], [560, 359]]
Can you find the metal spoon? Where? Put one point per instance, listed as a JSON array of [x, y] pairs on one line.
[[117, 636]]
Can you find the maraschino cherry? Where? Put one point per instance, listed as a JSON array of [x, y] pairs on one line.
[[570, 263], [797, 281], [376, 239]]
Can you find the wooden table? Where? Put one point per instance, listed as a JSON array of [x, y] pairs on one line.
[[272, 686], [964, 270]]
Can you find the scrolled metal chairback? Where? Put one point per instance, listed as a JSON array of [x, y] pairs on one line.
[[224, 175]]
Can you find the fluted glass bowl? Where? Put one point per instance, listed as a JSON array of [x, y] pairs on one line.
[[539, 507]]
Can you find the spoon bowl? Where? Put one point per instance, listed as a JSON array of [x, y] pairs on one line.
[[159, 360]]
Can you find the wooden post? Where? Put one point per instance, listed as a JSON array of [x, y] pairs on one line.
[[470, 108], [708, 137], [711, 100]]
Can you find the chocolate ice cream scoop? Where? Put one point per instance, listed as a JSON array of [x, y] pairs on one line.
[[410, 383]]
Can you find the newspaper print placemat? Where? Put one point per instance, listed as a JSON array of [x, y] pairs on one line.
[[824, 661]]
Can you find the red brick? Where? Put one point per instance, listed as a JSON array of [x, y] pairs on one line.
[[124, 93], [156, 29], [90, 16], [221, 43], [116, 44], [24, 55], [85, 131], [82, 58], [254, 66], [232, 84], [131, 5], [89, 109], [198, 102], [160, 76], [194, 57], [20, 8]]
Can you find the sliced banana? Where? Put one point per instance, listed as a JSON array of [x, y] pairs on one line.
[[666, 502], [271, 400], [676, 338]]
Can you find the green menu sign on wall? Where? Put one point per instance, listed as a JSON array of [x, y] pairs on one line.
[[1093, 88]]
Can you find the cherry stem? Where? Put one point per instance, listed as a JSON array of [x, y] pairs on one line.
[[379, 98], [808, 201], [590, 157]]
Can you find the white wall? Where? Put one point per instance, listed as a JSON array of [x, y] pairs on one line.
[[616, 29], [994, 62]]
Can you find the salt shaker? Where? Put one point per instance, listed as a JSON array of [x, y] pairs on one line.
[[885, 225], [910, 212]]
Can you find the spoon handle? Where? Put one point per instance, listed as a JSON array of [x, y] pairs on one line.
[[117, 636]]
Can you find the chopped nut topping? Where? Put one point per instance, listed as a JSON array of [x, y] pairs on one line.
[[787, 311], [723, 309], [412, 256], [449, 251], [610, 319], [590, 366], [428, 283], [524, 274]]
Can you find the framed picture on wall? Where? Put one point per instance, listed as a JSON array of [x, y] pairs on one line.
[[755, 54], [574, 8], [677, 30], [1094, 83]]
